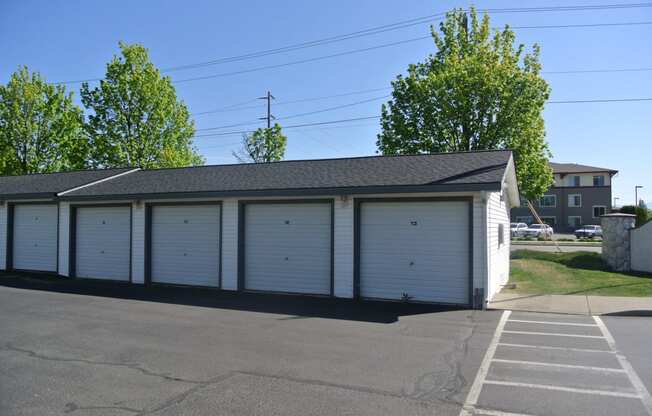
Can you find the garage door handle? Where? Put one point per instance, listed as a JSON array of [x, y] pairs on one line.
[[185, 254], [287, 258], [101, 251], [411, 263]]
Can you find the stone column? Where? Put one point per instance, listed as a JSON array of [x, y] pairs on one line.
[[616, 240]]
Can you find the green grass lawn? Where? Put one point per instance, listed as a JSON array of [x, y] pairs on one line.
[[577, 273]]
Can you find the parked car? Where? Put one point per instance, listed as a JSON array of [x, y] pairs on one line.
[[589, 231], [539, 230], [518, 229]]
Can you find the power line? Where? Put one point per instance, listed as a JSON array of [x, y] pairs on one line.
[[391, 27], [323, 110], [381, 29], [614, 100], [387, 45], [301, 100], [230, 133], [596, 71], [336, 107], [235, 107]]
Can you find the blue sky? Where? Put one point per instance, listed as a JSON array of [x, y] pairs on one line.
[[71, 40]]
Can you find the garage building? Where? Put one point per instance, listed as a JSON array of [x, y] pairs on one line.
[[422, 228]]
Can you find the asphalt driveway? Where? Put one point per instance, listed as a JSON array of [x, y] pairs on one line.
[[97, 348]]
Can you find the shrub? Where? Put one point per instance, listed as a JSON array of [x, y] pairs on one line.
[[640, 212]]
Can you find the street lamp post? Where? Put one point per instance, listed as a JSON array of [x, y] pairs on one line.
[[636, 188]]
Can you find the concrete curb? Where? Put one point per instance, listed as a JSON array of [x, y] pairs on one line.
[[561, 243], [574, 304]]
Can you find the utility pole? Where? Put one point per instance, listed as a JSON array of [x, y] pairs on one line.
[[615, 200], [269, 97]]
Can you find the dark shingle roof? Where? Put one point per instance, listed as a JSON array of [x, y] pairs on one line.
[[443, 171], [575, 168], [47, 185]]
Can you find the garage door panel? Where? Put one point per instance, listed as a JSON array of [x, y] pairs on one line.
[[35, 237], [185, 244], [103, 240], [418, 248], [288, 247]]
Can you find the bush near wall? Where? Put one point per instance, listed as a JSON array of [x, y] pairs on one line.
[[641, 213]]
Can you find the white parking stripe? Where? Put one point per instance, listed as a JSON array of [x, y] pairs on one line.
[[549, 322], [553, 334], [476, 387], [561, 388], [636, 381], [545, 347], [491, 412], [575, 367]]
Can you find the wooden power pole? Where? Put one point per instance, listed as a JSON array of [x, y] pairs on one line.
[[269, 97]]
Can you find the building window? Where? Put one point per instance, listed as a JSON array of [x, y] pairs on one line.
[[524, 201], [575, 201], [598, 180], [599, 210], [551, 221], [526, 219], [548, 201], [501, 234], [574, 221], [575, 180]]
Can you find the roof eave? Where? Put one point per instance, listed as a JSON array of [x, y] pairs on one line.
[[39, 195], [470, 187]]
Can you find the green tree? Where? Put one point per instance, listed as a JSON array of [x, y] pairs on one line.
[[136, 118], [40, 127], [263, 145], [640, 212], [477, 92]]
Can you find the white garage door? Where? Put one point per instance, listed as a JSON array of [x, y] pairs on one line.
[[420, 249], [288, 247], [186, 244], [103, 239], [35, 237]]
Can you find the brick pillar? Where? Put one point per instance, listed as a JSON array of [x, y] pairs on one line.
[[616, 240]]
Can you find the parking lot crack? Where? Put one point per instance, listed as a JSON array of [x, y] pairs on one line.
[[73, 407], [133, 366], [447, 380]]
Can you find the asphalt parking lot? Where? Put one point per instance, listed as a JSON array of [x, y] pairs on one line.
[[97, 348], [550, 364], [86, 348]]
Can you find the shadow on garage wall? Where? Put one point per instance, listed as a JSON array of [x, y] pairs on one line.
[[296, 306]]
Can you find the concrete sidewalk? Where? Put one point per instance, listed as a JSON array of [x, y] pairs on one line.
[[574, 304]]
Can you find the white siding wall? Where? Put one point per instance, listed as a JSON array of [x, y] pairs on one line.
[[479, 244], [64, 237], [138, 243], [343, 253], [498, 254], [230, 244], [641, 246], [485, 216], [3, 236]]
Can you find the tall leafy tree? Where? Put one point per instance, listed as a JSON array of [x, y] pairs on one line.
[[263, 145], [478, 91], [136, 118], [40, 127]]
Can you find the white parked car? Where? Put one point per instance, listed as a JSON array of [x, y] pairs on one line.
[[539, 230], [518, 229], [589, 231]]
